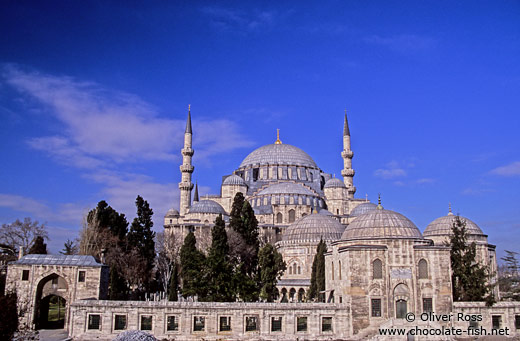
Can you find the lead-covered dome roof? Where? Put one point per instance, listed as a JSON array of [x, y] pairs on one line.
[[172, 212], [381, 223], [278, 154], [442, 226], [234, 180], [313, 228], [334, 183], [206, 206], [362, 209]]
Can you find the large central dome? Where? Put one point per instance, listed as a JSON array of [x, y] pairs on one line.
[[278, 154]]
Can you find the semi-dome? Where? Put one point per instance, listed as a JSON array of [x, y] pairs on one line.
[[172, 212], [380, 223], [278, 154], [442, 226], [362, 209], [206, 206], [334, 183], [234, 180], [313, 228], [286, 188]]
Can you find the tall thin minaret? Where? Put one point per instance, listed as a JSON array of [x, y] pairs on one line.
[[186, 185], [347, 154]]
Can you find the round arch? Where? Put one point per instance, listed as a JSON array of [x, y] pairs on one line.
[[51, 302]]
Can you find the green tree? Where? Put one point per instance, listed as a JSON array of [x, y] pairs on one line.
[[244, 247], [192, 271], [272, 267], [118, 287], [174, 284], [141, 238], [39, 247], [469, 278], [509, 280], [318, 273], [69, 248], [219, 270]]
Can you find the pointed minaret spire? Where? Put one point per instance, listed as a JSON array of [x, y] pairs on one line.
[[347, 154], [346, 130], [186, 168], [188, 122], [196, 194]]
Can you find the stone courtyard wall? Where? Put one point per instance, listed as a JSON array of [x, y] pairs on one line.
[[185, 313]]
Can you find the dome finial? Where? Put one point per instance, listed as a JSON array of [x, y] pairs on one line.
[[379, 207], [449, 209], [278, 137], [314, 211], [366, 197]]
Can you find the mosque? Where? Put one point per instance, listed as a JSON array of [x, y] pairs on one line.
[[380, 268], [297, 204]]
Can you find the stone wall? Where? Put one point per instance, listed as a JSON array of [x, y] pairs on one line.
[[188, 316]]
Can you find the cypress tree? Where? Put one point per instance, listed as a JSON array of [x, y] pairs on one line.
[[272, 267], [469, 278], [192, 272], [318, 273], [174, 284], [219, 273], [118, 285], [141, 237], [39, 247]]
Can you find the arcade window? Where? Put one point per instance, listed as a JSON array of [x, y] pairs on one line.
[[225, 323], [301, 324], [81, 276], [376, 307], [199, 323], [326, 324], [276, 324], [94, 322], [172, 323], [120, 322], [427, 305], [251, 323], [496, 321], [25, 275], [517, 321], [146, 322]]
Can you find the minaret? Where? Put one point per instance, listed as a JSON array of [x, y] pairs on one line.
[[347, 154], [186, 185]]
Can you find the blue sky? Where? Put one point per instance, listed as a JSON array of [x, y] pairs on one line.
[[94, 96]]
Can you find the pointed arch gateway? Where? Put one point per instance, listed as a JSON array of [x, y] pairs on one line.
[[51, 305]]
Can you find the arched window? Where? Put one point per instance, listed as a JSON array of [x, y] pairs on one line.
[[299, 270], [292, 216], [279, 218], [423, 269], [332, 270], [339, 266], [294, 268], [290, 270], [377, 269]]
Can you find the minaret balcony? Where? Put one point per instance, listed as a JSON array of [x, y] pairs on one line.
[[186, 186], [187, 151], [348, 172], [187, 168], [352, 189], [349, 154]]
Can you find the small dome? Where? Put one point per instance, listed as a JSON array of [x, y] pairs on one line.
[[442, 226], [380, 223], [334, 183], [312, 228], [206, 206], [286, 188], [234, 180], [172, 212], [362, 209], [278, 154]]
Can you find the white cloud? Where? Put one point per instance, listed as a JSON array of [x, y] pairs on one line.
[[512, 169], [391, 171], [425, 181], [226, 19]]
